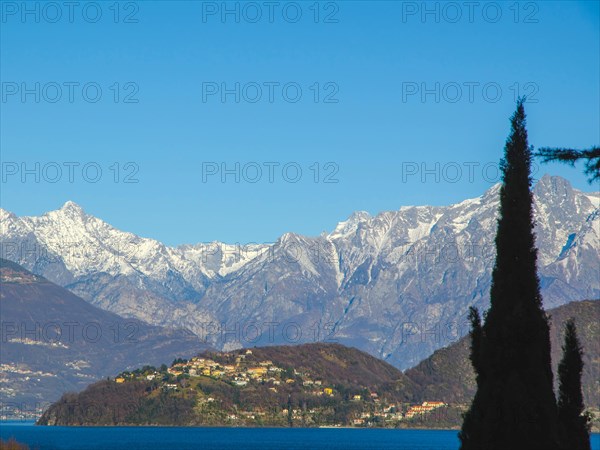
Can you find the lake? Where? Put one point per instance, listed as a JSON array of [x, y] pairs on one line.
[[148, 438]]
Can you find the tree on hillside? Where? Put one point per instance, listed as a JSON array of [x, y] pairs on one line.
[[471, 428], [290, 413], [514, 406], [591, 157], [476, 334], [574, 425]]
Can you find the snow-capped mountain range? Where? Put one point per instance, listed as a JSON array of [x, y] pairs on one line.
[[397, 284]]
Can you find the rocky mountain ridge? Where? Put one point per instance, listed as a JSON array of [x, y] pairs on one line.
[[397, 285]]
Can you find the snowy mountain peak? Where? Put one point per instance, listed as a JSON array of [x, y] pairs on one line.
[[71, 206], [69, 211], [492, 193], [290, 239], [350, 225], [5, 215], [552, 185], [359, 216]]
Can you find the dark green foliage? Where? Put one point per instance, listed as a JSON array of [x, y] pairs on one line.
[[163, 409], [476, 335], [109, 403], [571, 156], [514, 406], [574, 425], [290, 407], [471, 429], [179, 361], [103, 403]]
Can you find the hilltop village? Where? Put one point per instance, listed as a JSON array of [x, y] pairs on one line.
[[287, 396]]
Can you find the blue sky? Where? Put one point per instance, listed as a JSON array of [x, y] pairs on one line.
[[361, 122]]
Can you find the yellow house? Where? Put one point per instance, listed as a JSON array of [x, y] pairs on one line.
[[175, 370], [434, 404], [356, 397], [120, 380], [328, 391], [257, 371]]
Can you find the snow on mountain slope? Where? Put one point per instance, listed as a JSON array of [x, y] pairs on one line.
[[397, 284]]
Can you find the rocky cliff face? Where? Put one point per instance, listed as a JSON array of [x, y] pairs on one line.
[[397, 285]]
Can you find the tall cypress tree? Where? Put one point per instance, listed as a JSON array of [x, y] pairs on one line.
[[574, 426], [514, 407]]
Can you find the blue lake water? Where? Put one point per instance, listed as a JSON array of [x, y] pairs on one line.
[[149, 438]]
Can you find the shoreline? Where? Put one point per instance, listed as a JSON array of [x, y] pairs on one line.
[[595, 431], [341, 427], [274, 427]]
